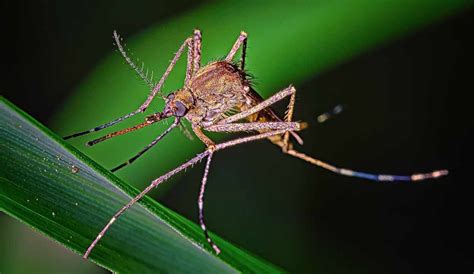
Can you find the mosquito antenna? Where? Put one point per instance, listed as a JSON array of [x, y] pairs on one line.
[[154, 91], [138, 70]]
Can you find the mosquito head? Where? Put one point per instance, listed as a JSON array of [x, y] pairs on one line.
[[178, 103]]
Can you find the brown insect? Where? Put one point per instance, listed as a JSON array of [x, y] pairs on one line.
[[218, 97]]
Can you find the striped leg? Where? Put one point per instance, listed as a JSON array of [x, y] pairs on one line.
[[241, 40], [173, 172], [363, 175], [244, 53], [156, 89], [268, 102], [288, 118], [257, 126], [137, 198], [197, 38], [201, 204]]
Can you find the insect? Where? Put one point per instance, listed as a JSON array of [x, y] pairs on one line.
[[219, 97]]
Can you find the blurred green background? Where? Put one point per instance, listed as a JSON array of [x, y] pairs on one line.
[[407, 110]]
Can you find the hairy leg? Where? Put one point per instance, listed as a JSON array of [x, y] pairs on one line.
[[241, 40], [171, 173], [206, 140], [137, 198], [201, 205], [259, 126], [289, 118], [266, 103], [244, 53], [187, 43], [189, 61], [363, 175], [156, 89], [197, 38]]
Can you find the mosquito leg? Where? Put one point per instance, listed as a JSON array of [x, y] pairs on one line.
[[363, 175], [150, 145], [247, 139], [268, 102], [171, 173], [206, 140], [197, 38], [201, 205], [289, 118], [137, 198], [244, 53], [242, 38], [189, 62], [156, 89], [259, 126]]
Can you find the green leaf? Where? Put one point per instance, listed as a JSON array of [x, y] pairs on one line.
[[288, 43], [57, 190]]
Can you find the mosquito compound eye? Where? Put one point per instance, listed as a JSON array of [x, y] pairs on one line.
[[170, 97], [180, 109]]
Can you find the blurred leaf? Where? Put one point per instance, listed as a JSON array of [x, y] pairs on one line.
[[288, 42], [55, 189]]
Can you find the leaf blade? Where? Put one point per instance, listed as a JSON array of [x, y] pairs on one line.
[[39, 186]]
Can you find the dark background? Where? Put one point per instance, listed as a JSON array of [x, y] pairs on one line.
[[415, 115]]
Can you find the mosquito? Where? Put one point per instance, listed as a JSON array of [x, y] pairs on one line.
[[219, 97]]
